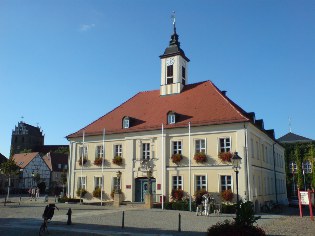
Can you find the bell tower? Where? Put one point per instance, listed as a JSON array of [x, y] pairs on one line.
[[174, 66]]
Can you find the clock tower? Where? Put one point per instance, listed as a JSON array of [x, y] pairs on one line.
[[174, 67]]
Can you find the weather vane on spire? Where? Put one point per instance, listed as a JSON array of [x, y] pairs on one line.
[[173, 17]]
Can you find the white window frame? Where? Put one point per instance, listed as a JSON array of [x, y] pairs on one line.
[[171, 118], [177, 182], [83, 149], [294, 165], [59, 166], [98, 182], [226, 185], [80, 184], [126, 123], [202, 149], [177, 147], [99, 151], [199, 177], [146, 151], [114, 182], [118, 150], [307, 167], [225, 147]]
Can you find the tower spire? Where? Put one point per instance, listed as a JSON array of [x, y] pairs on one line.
[[173, 17]]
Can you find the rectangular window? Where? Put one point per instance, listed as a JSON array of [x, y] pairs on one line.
[[307, 167], [99, 152], [177, 182], [169, 74], [81, 182], [252, 147], [115, 183], [66, 167], [118, 150], [177, 147], [146, 151], [183, 75], [97, 182], [126, 123], [83, 152], [59, 166], [293, 167], [171, 119], [201, 182], [225, 144], [257, 150], [200, 145], [226, 182], [263, 152]]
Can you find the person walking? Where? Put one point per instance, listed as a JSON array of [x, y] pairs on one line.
[[37, 193], [33, 194]]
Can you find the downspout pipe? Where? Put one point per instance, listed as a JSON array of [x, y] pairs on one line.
[[274, 170]]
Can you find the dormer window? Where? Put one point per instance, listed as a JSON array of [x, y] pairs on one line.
[[126, 122], [171, 118]]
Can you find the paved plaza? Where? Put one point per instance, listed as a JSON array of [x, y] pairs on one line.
[[25, 219]]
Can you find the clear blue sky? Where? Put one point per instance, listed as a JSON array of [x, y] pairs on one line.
[[64, 64]]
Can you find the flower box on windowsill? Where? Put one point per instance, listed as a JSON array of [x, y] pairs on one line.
[[225, 156], [80, 161], [98, 161], [176, 158], [200, 157], [117, 160]]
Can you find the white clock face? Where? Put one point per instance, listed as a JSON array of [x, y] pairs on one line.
[[170, 61]]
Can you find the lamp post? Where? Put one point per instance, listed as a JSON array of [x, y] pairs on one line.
[[236, 161], [149, 175]]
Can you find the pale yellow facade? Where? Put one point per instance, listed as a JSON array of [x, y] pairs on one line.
[[261, 176]]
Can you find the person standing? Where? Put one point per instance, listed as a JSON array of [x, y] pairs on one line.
[[37, 193], [33, 193]]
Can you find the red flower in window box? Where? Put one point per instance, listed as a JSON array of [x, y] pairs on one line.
[[200, 157], [225, 156], [98, 161], [227, 195], [118, 160], [80, 161], [176, 158]]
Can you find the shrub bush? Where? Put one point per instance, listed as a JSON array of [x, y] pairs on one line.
[[228, 209], [80, 161], [177, 195], [230, 228], [227, 195], [179, 206], [200, 192]]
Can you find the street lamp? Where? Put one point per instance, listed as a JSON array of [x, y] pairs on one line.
[[149, 175], [118, 174], [236, 161]]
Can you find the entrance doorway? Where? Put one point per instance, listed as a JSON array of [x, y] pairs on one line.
[[142, 188]]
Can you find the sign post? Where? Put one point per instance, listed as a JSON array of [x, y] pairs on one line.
[[305, 198]]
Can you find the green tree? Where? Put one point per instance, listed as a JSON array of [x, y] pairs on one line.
[[26, 151], [9, 168], [36, 178], [298, 158]]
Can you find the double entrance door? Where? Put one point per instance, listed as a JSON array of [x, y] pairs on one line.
[[142, 188]]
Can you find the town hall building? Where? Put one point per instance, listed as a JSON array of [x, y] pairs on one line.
[[184, 135]]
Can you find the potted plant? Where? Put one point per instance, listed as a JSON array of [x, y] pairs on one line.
[[225, 156], [97, 192], [98, 161], [117, 160], [80, 161], [176, 158], [227, 195], [200, 157]]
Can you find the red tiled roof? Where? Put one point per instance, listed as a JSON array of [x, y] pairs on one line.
[[23, 159], [200, 104]]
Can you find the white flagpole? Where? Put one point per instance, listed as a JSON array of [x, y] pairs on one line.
[[82, 157], [189, 157], [162, 155], [103, 157]]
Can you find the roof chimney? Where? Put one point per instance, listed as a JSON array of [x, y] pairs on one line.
[[223, 92]]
